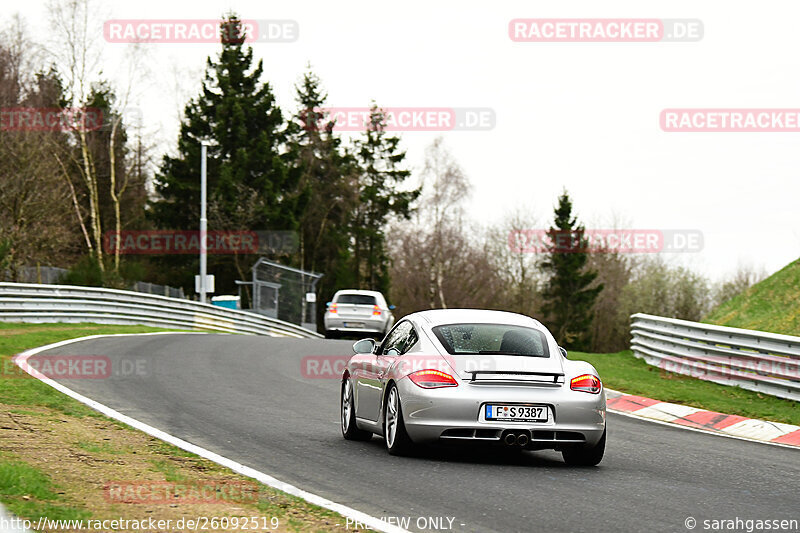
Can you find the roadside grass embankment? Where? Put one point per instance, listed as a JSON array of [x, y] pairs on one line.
[[59, 459]]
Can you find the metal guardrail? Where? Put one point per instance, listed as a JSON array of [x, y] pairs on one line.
[[754, 360], [24, 302]]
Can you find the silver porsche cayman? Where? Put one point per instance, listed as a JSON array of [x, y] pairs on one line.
[[466, 375]]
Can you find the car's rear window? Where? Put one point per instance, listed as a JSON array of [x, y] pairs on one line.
[[358, 299], [501, 339]]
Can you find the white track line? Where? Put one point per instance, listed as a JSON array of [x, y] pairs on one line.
[[367, 520]]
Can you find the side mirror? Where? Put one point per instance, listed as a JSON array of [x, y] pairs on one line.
[[391, 307], [364, 346], [563, 352]]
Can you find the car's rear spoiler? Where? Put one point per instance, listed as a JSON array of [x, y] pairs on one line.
[[554, 378]]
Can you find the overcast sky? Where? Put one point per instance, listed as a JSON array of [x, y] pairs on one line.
[[577, 115]]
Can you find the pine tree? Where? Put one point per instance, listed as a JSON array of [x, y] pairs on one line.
[[249, 186], [380, 175], [570, 291], [326, 176]]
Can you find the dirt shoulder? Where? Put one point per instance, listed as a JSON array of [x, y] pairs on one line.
[[60, 461]]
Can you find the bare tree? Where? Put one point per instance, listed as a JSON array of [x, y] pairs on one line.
[[658, 288], [517, 266], [440, 260], [19, 59], [136, 64], [614, 271], [34, 204], [469, 278], [441, 210], [745, 277], [76, 53]]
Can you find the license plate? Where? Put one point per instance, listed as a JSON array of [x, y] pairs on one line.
[[517, 413], [354, 324]]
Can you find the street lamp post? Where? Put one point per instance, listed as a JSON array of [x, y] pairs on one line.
[[203, 221]]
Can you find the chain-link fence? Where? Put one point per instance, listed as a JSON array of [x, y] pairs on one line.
[[162, 290], [40, 274], [283, 292]]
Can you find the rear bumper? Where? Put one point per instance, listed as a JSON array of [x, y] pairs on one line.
[[452, 415], [558, 436], [370, 325]]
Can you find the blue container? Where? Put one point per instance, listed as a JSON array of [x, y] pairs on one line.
[[229, 302]]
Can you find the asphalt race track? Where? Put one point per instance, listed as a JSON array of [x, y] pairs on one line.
[[244, 397]]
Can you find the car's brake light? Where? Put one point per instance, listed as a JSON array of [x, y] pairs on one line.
[[332, 308], [586, 383], [432, 379], [376, 311]]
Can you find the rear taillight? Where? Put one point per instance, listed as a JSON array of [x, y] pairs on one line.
[[332, 308], [586, 383], [432, 379], [376, 311]]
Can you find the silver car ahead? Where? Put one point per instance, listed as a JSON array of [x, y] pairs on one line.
[[466, 375], [358, 312]]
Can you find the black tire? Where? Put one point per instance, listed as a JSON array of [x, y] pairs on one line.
[[350, 430], [397, 440], [330, 334], [586, 456]]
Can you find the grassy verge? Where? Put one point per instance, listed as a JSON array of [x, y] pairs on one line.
[[625, 373], [15, 338], [58, 459], [770, 305]]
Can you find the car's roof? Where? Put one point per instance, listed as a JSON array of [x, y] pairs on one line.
[[437, 317], [358, 291]]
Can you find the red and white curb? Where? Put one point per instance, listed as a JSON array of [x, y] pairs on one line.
[[702, 420]]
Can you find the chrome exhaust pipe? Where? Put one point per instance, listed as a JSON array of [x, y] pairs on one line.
[[510, 439], [523, 439]]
